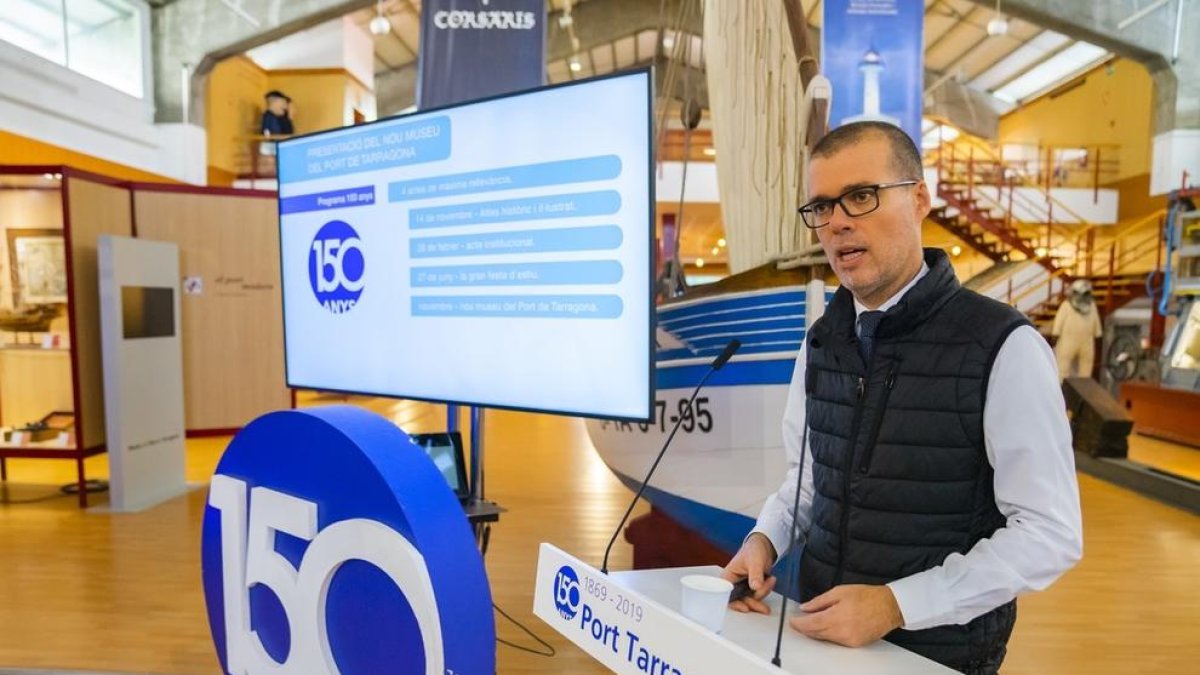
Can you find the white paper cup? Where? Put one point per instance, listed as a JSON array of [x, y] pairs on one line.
[[705, 600]]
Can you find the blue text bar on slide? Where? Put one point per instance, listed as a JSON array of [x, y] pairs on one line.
[[520, 306], [519, 274], [595, 238], [562, 172], [375, 147], [578, 205], [323, 201]]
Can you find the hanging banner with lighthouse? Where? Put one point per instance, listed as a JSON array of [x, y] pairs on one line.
[[872, 51]]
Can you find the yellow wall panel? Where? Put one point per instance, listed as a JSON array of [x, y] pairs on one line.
[[16, 149], [1112, 106], [234, 109], [321, 99], [318, 97]]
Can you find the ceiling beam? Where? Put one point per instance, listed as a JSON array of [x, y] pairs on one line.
[[600, 22], [958, 25]]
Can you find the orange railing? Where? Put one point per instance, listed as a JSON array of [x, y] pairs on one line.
[[256, 158], [1044, 166], [996, 182], [1132, 249], [1069, 241]]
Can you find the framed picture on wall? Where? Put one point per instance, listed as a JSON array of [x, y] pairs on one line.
[[38, 262]]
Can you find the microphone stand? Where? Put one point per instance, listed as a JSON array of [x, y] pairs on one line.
[[687, 412], [794, 572]]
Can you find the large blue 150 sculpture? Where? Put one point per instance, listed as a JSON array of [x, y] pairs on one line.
[[332, 545]]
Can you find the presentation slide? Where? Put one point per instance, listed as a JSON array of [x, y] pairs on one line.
[[495, 253]]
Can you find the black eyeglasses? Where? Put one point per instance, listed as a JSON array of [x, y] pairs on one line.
[[858, 201]]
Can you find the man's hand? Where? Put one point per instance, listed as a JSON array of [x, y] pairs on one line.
[[753, 562], [852, 615]]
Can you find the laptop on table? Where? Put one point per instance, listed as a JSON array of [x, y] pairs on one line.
[[446, 451]]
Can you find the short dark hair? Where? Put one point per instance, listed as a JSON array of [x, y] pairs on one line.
[[905, 159], [275, 93]]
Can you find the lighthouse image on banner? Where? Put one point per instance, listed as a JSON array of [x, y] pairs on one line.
[[872, 53], [871, 67]]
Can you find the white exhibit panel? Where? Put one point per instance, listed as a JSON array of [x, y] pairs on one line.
[[1174, 153], [630, 622], [493, 253], [143, 370]]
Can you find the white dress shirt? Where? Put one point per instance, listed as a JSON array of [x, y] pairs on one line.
[[1028, 443]]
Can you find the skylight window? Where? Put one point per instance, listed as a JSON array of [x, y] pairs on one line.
[[98, 38], [1058, 68], [1021, 58]]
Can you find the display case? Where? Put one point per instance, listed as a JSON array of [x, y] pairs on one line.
[[50, 361], [51, 399], [35, 364]]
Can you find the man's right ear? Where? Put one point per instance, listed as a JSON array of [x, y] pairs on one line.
[[924, 199]]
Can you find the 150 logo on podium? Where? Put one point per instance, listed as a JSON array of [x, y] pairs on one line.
[[333, 546], [566, 592], [337, 267]]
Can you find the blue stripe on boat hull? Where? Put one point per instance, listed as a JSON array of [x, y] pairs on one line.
[[735, 373], [775, 322], [758, 313], [667, 313], [793, 337]]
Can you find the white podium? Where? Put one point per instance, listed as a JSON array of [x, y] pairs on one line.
[[630, 622]]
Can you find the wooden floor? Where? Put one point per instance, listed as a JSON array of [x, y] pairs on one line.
[[97, 591]]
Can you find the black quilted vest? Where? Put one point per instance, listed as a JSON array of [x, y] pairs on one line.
[[901, 475]]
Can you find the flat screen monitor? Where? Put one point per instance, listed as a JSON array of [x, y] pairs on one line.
[[147, 312], [446, 451], [494, 253]]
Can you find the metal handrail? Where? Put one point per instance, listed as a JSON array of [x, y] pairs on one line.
[[1114, 260], [1024, 182], [1016, 169]]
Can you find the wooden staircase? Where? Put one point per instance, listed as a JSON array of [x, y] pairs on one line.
[[981, 195], [976, 225]]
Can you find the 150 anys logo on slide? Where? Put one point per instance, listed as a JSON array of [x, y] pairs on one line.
[[337, 267]]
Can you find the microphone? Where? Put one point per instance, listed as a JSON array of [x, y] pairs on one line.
[[717, 364], [725, 355]]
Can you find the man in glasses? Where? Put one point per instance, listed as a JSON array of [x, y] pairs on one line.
[[929, 427]]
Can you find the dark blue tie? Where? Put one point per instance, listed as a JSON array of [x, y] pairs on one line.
[[867, 323]]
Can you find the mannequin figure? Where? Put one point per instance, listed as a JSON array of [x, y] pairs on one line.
[[1077, 325]]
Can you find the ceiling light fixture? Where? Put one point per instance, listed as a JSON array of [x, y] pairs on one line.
[[380, 24], [576, 66], [699, 262], [999, 25], [710, 152], [721, 242]]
